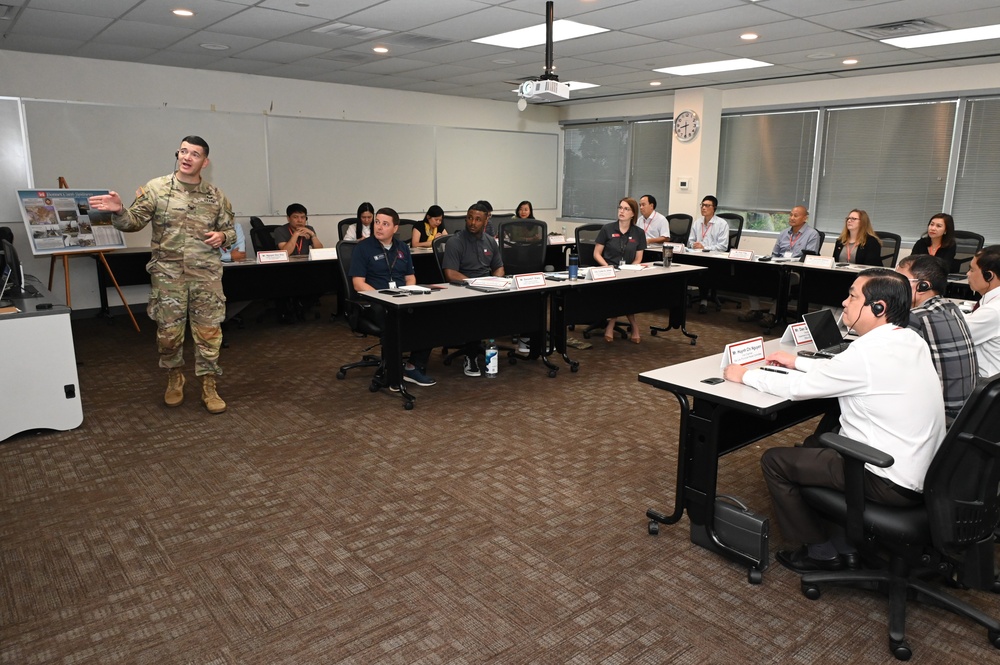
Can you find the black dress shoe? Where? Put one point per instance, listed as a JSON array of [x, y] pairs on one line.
[[800, 561], [852, 561]]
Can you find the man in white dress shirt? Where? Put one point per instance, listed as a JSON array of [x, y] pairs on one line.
[[890, 398], [654, 225], [710, 233], [984, 321]]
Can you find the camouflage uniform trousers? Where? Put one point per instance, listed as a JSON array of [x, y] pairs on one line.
[[175, 301]]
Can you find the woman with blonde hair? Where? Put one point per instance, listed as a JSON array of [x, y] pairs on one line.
[[857, 242]]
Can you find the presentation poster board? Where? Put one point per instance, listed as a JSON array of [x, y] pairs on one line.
[[61, 221]]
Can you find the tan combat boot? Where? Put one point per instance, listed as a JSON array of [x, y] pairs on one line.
[[212, 401], [175, 387]]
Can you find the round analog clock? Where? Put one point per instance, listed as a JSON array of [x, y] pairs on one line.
[[686, 126]]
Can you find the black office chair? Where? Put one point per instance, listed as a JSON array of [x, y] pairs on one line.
[[586, 242], [405, 230], [967, 244], [453, 223], [680, 227], [890, 247], [262, 235], [345, 224], [949, 537], [735, 234], [438, 246], [361, 318], [522, 245]]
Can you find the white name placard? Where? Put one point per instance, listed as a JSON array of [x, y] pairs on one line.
[[557, 240], [277, 256], [532, 280], [744, 352], [676, 246], [797, 333], [818, 261], [598, 273], [322, 254], [741, 254]]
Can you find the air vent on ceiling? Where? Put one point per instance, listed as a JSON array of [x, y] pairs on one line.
[[347, 56], [348, 30], [417, 41], [900, 29]]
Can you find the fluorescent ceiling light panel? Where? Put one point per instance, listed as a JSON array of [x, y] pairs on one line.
[[580, 85], [713, 67], [535, 35], [945, 37]]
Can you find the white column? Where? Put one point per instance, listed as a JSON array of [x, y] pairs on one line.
[[696, 162]]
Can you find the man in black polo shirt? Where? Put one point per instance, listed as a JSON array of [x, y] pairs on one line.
[[382, 262], [472, 253]]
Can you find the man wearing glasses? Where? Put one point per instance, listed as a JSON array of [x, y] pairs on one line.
[[709, 233]]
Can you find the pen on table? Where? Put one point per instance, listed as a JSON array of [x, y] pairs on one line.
[[771, 369]]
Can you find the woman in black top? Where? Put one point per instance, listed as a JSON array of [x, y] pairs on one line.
[[858, 243], [939, 240], [619, 243], [425, 232]]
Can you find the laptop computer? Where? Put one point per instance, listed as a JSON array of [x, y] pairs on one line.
[[825, 332]]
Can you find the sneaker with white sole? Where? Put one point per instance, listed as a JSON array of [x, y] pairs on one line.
[[524, 346], [471, 366], [416, 376]]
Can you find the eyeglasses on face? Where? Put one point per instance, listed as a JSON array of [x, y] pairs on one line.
[[853, 219]]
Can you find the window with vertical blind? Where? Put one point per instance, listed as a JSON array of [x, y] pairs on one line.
[[766, 160], [595, 169], [651, 141], [977, 183], [891, 161]]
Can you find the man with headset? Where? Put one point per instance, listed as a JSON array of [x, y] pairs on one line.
[[890, 399], [192, 220], [942, 325], [984, 321]]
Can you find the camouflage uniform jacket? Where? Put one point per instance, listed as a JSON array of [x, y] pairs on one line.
[[179, 249]]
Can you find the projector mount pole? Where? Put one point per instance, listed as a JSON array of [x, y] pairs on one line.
[[549, 19]]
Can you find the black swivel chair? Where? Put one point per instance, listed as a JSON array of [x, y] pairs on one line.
[[950, 536], [735, 234], [967, 244], [890, 247], [522, 245], [405, 230], [262, 239], [343, 225], [438, 245], [453, 223], [586, 242], [680, 227]]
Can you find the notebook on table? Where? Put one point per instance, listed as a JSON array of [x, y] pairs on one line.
[[825, 332]]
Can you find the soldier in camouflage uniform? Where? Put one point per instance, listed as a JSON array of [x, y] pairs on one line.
[[191, 220]]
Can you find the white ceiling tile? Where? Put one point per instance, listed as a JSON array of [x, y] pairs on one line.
[[57, 25], [266, 23], [135, 33], [280, 52]]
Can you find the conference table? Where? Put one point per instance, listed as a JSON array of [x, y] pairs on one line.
[[717, 419]]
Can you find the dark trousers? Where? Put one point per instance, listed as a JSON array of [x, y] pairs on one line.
[[788, 469]]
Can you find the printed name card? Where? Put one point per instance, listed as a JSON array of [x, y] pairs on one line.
[[531, 280], [818, 261], [277, 256], [741, 254], [676, 246], [744, 353], [322, 254], [557, 240], [597, 273], [797, 334]]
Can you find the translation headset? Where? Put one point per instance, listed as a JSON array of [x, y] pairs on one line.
[[878, 308], [923, 286], [988, 275]]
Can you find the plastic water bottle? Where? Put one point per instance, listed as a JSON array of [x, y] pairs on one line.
[[573, 266], [492, 360]]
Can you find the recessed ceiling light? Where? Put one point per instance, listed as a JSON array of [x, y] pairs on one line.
[[380, 49], [946, 37], [215, 47], [535, 35], [713, 67], [580, 85], [851, 61], [183, 12], [655, 83], [749, 36]]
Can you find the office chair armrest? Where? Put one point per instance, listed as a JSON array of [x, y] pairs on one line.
[[856, 455], [852, 449]]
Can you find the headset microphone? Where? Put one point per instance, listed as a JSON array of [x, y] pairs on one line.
[[177, 155]]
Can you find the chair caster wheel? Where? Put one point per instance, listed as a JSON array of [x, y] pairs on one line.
[[575, 367], [552, 374], [901, 650], [654, 528], [341, 375], [994, 636], [810, 591], [512, 360], [653, 331], [374, 387], [408, 405], [755, 576]]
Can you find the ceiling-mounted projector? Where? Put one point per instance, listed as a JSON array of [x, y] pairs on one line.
[[544, 90]]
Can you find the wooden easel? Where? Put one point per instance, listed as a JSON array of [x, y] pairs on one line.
[[65, 262]]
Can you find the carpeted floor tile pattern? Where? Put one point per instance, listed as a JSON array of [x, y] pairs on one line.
[[500, 521]]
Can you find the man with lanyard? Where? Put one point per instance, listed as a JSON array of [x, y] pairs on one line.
[[799, 237], [192, 220], [709, 233], [653, 224], [984, 321], [942, 325], [296, 237], [382, 262], [472, 253]]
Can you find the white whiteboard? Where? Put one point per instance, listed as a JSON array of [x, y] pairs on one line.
[[331, 166], [121, 148], [13, 161], [504, 168]]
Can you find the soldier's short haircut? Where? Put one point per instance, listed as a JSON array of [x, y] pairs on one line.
[[196, 140]]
